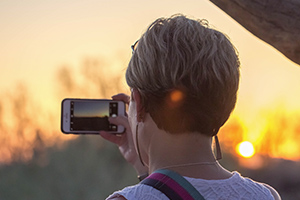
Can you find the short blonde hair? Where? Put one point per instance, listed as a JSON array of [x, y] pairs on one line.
[[185, 56]]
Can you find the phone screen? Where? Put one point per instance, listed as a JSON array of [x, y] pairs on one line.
[[92, 115]]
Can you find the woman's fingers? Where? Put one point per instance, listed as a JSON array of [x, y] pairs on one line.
[[121, 97], [119, 120], [117, 139]]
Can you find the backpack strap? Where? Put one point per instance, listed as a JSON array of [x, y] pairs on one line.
[[173, 185]]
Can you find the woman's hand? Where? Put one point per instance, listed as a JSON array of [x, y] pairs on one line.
[[125, 140]]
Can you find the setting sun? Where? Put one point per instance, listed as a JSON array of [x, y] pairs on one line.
[[245, 149]]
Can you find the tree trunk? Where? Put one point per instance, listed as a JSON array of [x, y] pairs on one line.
[[276, 22]]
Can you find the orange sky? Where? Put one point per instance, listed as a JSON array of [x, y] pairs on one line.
[[38, 37]]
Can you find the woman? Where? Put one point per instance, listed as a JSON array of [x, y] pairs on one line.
[[184, 78]]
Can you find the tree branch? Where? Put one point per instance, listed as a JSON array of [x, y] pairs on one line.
[[276, 22]]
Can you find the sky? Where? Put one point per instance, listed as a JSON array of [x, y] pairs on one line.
[[38, 37], [91, 109]]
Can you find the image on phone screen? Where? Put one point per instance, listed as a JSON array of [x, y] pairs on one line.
[[92, 115]]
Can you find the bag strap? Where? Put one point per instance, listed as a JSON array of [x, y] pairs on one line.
[[173, 185]]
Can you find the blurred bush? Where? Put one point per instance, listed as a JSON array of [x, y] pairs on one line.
[[90, 168], [85, 168]]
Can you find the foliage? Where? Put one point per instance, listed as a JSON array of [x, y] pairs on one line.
[[85, 168], [90, 168]]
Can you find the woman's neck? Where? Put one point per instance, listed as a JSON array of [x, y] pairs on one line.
[[189, 154], [173, 149]]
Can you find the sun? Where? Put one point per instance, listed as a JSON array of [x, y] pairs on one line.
[[245, 149]]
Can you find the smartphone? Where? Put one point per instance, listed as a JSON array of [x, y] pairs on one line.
[[89, 116]]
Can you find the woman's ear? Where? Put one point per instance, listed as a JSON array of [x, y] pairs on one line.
[[140, 110]]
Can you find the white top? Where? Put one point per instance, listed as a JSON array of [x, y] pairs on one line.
[[234, 188]]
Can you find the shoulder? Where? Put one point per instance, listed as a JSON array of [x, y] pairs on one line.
[[235, 187], [118, 198], [273, 192], [266, 187], [136, 192]]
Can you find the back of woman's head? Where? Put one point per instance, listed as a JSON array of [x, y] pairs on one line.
[[187, 74]]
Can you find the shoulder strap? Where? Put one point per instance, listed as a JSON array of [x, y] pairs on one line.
[[173, 185]]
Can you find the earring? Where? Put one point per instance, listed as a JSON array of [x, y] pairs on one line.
[[137, 144], [218, 148]]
